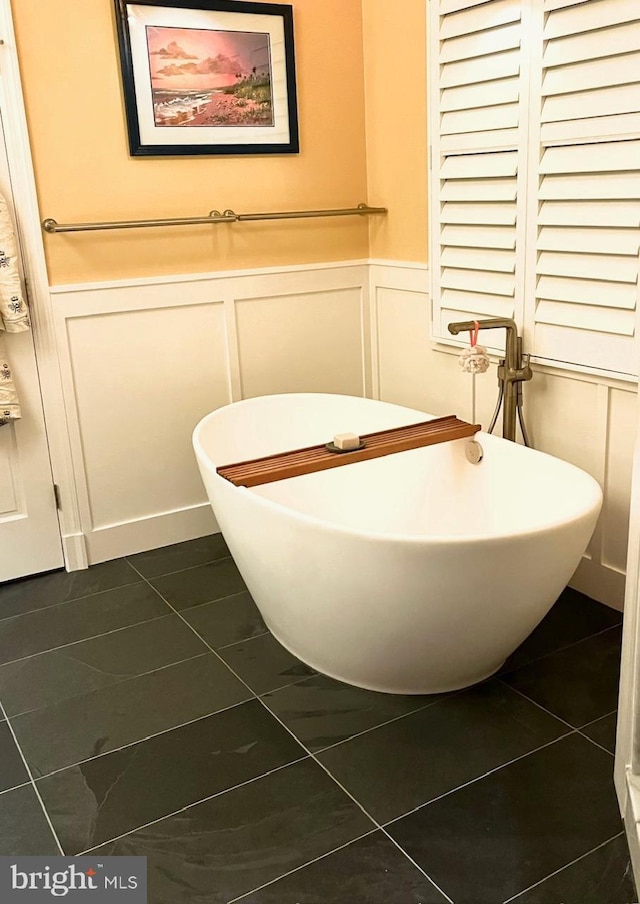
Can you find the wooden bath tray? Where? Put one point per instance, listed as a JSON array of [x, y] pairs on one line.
[[319, 458]]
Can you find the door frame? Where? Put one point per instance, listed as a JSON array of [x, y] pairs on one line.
[[35, 271], [627, 762]]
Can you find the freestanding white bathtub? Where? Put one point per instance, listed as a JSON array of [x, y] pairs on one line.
[[413, 573]]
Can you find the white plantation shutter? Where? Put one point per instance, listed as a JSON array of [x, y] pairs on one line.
[[536, 173], [588, 215], [475, 202], [479, 79], [590, 70], [586, 293], [478, 214]]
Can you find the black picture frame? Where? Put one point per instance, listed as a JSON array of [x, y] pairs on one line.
[[204, 77]]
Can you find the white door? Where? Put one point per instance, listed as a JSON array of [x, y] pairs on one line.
[[29, 530]]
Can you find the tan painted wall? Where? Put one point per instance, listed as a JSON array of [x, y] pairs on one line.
[[396, 121], [71, 80]]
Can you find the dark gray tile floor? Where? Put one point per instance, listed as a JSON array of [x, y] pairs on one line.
[[147, 710]]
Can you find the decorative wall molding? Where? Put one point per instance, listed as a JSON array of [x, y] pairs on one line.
[[354, 327], [181, 278], [142, 361]]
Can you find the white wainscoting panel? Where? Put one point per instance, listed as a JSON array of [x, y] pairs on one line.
[[560, 417], [400, 333], [309, 342], [143, 361], [140, 379], [403, 336], [586, 419]]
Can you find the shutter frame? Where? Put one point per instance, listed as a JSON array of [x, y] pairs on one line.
[[554, 239]]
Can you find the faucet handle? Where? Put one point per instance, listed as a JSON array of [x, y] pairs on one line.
[[524, 371]]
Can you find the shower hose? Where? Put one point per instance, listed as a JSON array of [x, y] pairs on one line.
[[523, 427]]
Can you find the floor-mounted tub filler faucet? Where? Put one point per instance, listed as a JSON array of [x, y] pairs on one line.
[[513, 371]]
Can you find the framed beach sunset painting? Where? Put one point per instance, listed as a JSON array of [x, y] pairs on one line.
[[208, 77]]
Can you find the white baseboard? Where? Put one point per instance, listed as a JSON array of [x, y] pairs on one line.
[[600, 582], [163, 529]]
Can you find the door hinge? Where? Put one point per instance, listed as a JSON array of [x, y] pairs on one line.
[[56, 493]]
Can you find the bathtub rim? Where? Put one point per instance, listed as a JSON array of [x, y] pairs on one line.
[[382, 536]]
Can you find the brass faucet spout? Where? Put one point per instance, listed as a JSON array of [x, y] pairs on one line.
[[511, 372], [490, 324]]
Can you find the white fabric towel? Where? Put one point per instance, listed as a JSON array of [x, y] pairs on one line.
[[14, 316]]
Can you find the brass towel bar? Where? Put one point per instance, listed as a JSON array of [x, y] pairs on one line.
[[228, 216]]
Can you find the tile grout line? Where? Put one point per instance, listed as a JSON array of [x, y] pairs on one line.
[[287, 729], [566, 866], [165, 574], [150, 737], [606, 716], [365, 731], [447, 695], [411, 860], [225, 646], [32, 782], [364, 810], [540, 706], [75, 599], [216, 599], [479, 778], [201, 638], [73, 643], [595, 743], [15, 787], [303, 866], [568, 646], [144, 621], [105, 687], [573, 727], [190, 806]]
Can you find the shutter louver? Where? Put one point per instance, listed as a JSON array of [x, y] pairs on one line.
[[479, 76], [588, 237], [591, 70], [479, 110], [587, 268], [478, 236]]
